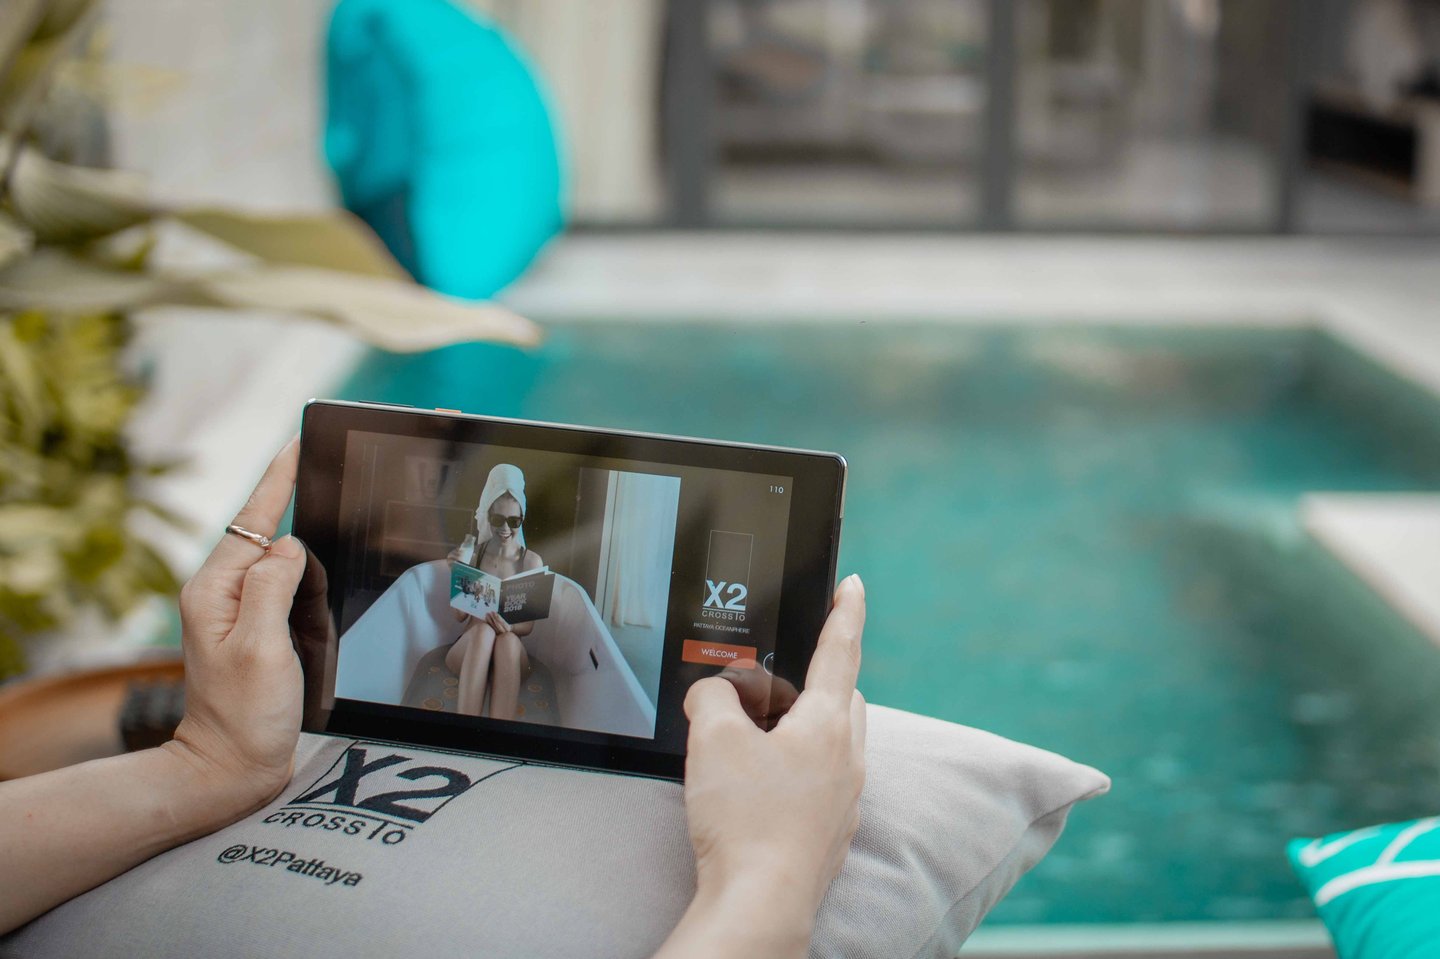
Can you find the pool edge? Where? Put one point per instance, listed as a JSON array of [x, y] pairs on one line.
[[1290, 939]]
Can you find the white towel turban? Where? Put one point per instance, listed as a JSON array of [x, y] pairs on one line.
[[503, 479]]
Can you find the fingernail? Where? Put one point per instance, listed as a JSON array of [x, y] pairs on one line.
[[854, 582], [287, 547]]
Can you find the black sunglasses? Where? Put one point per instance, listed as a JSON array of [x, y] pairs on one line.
[[497, 521]]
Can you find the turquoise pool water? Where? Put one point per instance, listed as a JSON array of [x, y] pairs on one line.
[[1085, 540]]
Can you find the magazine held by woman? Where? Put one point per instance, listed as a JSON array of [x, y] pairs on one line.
[[522, 598]]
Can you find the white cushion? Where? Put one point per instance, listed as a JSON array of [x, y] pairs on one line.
[[533, 861]]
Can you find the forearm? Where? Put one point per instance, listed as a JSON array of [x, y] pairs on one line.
[[67, 831], [754, 921]]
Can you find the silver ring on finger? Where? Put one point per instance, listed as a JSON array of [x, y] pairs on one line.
[[259, 539]]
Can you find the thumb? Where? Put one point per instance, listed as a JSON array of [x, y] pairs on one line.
[[269, 589]]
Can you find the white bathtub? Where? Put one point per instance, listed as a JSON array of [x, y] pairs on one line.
[[380, 652]]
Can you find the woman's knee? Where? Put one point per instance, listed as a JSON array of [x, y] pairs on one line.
[[474, 641], [509, 650]]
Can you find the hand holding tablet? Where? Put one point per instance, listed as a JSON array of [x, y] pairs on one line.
[[238, 740], [552, 592], [805, 774], [65, 831], [242, 678]]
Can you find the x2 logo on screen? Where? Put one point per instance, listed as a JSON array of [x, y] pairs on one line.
[[727, 575], [374, 795], [736, 591]]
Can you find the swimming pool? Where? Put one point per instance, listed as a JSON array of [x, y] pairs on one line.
[[1085, 539]]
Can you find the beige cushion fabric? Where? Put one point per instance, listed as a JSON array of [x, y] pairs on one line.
[[390, 850]]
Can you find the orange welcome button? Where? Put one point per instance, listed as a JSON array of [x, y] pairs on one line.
[[718, 654]]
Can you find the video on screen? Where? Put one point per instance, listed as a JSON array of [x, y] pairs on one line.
[[509, 584]]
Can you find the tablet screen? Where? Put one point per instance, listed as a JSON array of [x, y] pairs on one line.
[[568, 595], [450, 543]]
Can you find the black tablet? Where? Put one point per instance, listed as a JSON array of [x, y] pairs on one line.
[[550, 592]]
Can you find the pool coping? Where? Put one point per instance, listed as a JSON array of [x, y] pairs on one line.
[[1391, 541], [1239, 939]]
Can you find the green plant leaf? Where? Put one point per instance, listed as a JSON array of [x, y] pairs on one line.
[[127, 250], [167, 515], [12, 660], [23, 388], [393, 314], [38, 572], [61, 15], [25, 80], [57, 281], [397, 316], [70, 204], [27, 523], [152, 572], [15, 240], [16, 27], [69, 484], [331, 241]]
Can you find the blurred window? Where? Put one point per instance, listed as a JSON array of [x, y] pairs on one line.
[[846, 111], [1150, 113], [1184, 115]]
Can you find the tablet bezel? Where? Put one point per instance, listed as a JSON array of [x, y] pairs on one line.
[[812, 549]]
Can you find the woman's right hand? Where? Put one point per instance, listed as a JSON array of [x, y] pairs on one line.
[[772, 813]]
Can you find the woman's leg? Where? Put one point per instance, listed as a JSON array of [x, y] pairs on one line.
[[455, 655], [471, 653], [511, 666]]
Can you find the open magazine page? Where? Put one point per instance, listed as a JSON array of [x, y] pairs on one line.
[[474, 591], [522, 598]]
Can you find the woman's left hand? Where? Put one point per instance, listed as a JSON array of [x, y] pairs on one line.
[[497, 623], [243, 681]]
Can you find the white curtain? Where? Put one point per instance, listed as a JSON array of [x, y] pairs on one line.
[[642, 540]]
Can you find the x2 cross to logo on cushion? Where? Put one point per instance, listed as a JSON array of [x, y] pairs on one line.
[[365, 778]]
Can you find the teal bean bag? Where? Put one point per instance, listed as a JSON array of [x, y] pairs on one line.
[[442, 141]]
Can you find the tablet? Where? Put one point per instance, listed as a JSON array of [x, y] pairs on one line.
[[551, 592]]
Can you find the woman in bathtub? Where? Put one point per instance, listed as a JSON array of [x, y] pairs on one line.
[[490, 651]]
